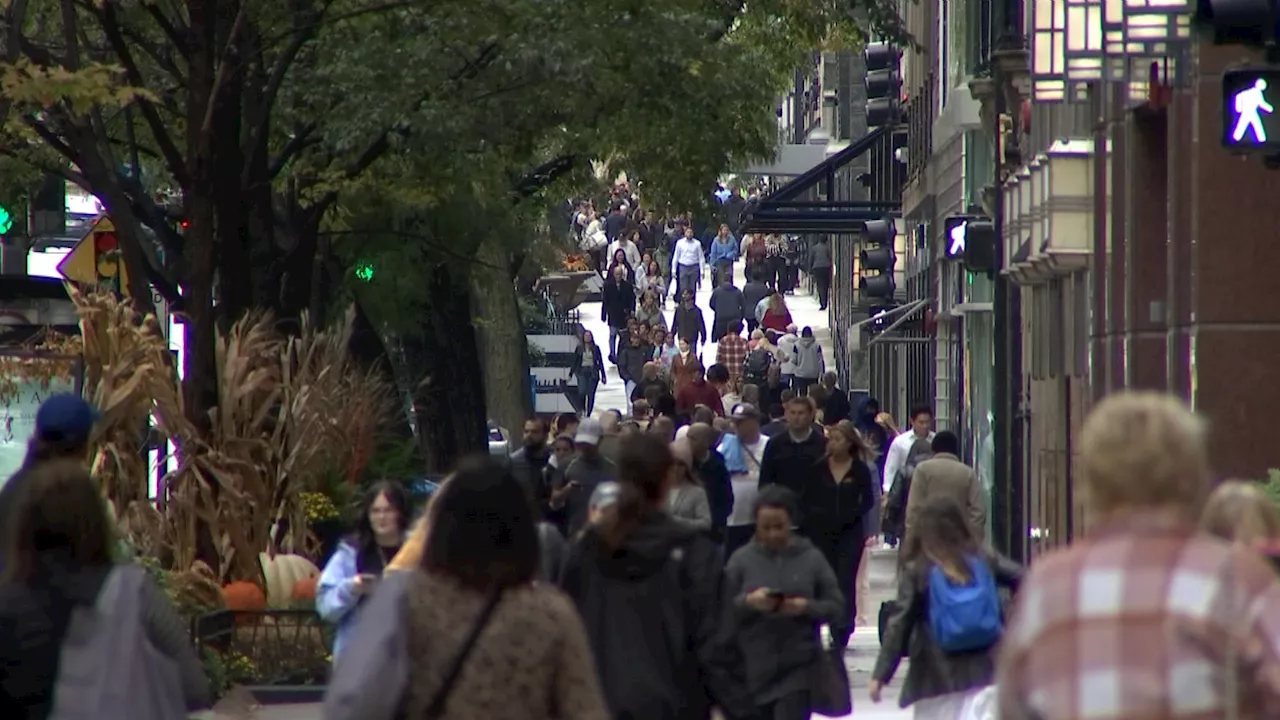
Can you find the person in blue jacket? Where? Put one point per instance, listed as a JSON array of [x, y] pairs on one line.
[[357, 565], [722, 254]]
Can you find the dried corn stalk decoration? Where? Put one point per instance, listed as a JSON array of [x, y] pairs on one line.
[[289, 410]]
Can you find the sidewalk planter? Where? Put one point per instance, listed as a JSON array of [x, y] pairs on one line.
[[266, 649], [567, 290]]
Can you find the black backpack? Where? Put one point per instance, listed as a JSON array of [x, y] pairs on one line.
[[755, 369]]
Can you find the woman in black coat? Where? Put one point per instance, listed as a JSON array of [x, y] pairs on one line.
[[834, 499]]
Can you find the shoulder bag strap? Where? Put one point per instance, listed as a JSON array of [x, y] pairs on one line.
[[436, 708]]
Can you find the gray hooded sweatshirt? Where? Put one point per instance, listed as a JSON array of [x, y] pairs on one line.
[[778, 649], [807, 359]]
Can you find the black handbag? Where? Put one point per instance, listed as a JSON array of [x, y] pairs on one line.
[[829, 684], [887, 609]]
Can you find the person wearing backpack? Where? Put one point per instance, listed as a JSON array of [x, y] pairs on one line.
[[949, 615], [648, 591], [898, 498], [82, 636]]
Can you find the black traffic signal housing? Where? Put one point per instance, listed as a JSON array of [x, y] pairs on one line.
[[1238, 22], [972, 240], [884, 84], [878, 258]]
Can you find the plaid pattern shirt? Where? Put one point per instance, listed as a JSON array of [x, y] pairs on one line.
[[731, 352], [1143, 620]]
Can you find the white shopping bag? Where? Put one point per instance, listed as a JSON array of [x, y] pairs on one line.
[[980, 704]]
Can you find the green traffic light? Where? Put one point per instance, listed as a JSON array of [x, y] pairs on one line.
[[6, 220], [364, 272]]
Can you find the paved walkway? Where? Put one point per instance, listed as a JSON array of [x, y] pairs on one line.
[[860, 660], [803, 307]]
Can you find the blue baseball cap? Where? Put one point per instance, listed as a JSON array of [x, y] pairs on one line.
[[65, 417]]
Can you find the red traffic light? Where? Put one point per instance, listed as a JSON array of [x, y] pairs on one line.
[[105, 242]]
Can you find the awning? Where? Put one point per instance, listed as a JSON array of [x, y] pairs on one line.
[[782, 212]]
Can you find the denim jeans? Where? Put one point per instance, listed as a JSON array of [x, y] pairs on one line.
[[588, 380]]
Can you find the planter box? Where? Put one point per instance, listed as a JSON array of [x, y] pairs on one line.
[[268, 648]]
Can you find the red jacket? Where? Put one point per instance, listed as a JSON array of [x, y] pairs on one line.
[[776, 322], [699, 392]]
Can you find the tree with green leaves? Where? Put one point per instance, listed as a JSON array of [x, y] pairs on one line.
[[303, 136]]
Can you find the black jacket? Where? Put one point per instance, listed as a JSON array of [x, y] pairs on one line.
[[837, 408], [933, 672], [576, 365], [716, 481], [34, 620], [618, 302], [653, 613], [631, 360], [829, 508], [530, 468], [688, 324], [787, 462]]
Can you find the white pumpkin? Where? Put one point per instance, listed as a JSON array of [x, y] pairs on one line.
[[281, 573]]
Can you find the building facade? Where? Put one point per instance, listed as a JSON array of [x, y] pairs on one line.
[[1134, 249]]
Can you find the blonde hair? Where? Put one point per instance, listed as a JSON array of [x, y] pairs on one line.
[[857, 448], [1239, 511], [1143, 450]]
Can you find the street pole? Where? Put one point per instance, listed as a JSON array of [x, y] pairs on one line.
[[1008, 525]]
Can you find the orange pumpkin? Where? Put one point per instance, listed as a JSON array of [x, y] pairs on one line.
[[243, 596], [305, 588]]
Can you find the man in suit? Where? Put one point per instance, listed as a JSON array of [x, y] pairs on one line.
[[945, 474]]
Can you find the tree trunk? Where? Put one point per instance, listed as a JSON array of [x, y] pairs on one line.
[[449, 401], [368, 349], [504, 353]]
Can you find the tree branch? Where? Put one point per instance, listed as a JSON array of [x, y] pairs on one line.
[[168, 148], [15, 17], [299, 142], [220, 79], [70, 35], [427, 240], [303, 33], [51, 139], [172, 32], [70, 176]]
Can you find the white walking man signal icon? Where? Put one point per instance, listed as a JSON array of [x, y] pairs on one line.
[[1249, 105], [957, 239]]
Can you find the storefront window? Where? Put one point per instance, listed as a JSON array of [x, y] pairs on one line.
[[18, 420], [980, 362]]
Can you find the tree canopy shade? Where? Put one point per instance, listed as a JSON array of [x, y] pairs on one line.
[[304, 137]]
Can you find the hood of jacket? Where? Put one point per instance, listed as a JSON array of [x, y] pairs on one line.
[[806, 342], [646, 551]]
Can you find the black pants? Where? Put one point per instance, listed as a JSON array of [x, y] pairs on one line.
[[793, 706], [751, 323], [844, 553], [822, 281]]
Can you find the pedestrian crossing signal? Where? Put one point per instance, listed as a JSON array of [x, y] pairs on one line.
[[970, 239], [1249, 97]]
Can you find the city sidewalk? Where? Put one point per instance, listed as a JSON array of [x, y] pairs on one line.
[[804, 312]]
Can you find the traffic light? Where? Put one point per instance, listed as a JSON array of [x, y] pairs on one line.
[[364, 271], [1249, 97], [884, 83], [877, 257], [1238, 22], [106, 253], [972, 240]]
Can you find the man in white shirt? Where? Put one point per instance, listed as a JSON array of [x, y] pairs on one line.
[[629, 249], [687, 261], [743, 452], [921, 429]]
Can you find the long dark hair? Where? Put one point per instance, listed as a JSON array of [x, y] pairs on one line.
[[482, 530], [58, 509], [940, 536], [39, 449], [362, 538], [644, 460]]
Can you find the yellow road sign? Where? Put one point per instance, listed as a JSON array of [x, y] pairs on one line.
[[96, 260]]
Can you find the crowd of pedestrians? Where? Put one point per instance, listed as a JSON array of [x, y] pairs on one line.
[[699, 552]]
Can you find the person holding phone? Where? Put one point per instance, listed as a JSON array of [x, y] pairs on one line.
[[782, 591], [357, 565]]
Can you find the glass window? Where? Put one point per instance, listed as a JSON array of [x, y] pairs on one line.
[[979, 400]]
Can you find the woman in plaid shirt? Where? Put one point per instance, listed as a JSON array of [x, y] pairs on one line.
[[1145, 617]]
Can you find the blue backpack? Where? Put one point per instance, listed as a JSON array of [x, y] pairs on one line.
[[964, 618]]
